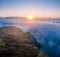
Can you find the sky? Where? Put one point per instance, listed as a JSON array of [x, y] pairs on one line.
[[37, 8]]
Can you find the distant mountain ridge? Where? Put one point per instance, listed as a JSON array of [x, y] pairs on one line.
[[13, 17], [16, 17]]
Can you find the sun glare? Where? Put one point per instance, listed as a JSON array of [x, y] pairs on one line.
[[30, 16]]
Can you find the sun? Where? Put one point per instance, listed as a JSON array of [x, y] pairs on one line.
[[30, 16]]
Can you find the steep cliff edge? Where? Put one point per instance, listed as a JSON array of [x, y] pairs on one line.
[[16, 43]]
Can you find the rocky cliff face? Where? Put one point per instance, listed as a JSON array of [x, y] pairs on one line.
[[16, 43], [18, 35]]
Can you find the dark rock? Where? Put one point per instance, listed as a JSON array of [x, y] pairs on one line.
[[18, 35], [15, 43]]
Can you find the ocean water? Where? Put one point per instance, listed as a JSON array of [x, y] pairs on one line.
[[46, 31]]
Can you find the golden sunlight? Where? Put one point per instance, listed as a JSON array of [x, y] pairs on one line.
[[30, 16]]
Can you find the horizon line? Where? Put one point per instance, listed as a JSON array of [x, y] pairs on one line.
[[25, 17]]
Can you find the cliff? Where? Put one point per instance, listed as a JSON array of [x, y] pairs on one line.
[[16, 43]]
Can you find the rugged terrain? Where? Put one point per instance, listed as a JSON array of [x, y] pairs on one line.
[[16, 43]]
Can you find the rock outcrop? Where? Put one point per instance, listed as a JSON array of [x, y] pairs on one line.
[[16, 43], [18, 35]]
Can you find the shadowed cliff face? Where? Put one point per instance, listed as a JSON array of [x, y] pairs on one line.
[[16, 43]]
